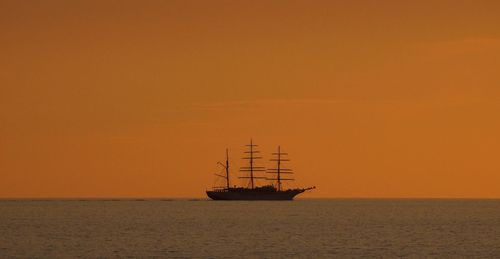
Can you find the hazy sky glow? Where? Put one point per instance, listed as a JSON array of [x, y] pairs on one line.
[[141, 98]]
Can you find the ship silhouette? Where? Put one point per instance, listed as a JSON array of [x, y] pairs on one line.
[[272, 191]]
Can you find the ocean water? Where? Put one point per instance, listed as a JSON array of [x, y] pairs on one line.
[[337, 228]]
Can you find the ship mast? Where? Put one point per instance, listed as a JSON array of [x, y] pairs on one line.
[[279, 170], [227, 168], [251, 168]]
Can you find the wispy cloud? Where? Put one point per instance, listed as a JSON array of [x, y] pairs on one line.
[[458, 47], [252, 104]]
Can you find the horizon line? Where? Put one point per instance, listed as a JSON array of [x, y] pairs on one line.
[[184, 198]]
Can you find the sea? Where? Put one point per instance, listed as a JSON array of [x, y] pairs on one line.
[[200, 228]]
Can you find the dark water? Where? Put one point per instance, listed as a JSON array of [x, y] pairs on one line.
[[204, 229]]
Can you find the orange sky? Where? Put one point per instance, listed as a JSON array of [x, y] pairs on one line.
[[140, 98]]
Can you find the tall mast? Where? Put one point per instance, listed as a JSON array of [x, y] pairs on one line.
[[227, 168], [279, 170], [279, 167], [251, 168], [251, 164]]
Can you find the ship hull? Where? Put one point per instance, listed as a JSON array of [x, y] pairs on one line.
[[253, 196]]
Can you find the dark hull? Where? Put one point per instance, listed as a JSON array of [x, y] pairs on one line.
[[253, 195]]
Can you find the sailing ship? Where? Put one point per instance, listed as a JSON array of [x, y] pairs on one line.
[[272, 191]]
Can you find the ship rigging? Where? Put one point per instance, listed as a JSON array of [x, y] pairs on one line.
[[252, 172]]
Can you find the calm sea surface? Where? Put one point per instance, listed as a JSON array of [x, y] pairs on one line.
[[280, 229]]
